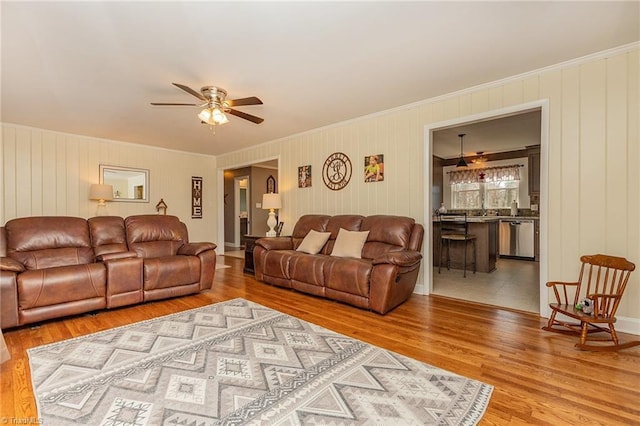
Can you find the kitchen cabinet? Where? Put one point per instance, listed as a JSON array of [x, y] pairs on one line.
[[534, 171], [486, 231]]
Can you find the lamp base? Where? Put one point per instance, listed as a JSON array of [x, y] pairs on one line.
[[101, 210], [271, 223]]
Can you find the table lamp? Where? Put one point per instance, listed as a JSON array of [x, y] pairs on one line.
[[102, 193], [271, 202]]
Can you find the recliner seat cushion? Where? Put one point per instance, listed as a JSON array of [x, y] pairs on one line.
[[276, 262], [63, 284], [349, 276], [171, 271], [310, 268]]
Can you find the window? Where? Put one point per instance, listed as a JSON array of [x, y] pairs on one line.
[[488, 188]]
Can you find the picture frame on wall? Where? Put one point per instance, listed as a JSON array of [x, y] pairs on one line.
[[374, 168], [304, 176], [271, 185]]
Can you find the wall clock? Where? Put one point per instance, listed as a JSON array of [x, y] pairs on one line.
[[336, 171]]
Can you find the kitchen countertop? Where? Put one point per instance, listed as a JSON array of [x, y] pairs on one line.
[[482, 219]]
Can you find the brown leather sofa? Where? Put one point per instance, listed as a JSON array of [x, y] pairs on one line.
[[382, 279], [57, 266]]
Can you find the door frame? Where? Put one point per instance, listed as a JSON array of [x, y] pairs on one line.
[[220, 184], [237, 238], [543, 105]]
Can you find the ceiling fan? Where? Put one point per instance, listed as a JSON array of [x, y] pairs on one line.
[[215, 105]]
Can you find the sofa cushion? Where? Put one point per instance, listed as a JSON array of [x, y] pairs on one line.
[[313, 242], [49, 241], [64, 284], [349, 243], [276, 262], [305, 224], [348, 276], [310, 269], [171, 271], [155, 235], [350, 222], [386, 234], [107, 235]]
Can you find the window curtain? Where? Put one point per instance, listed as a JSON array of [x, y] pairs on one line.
[[489, 174]]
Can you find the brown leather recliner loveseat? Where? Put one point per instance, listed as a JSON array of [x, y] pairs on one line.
[[383, 278], [57, 266]]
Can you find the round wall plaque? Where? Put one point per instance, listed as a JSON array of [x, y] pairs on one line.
[[336, 171]]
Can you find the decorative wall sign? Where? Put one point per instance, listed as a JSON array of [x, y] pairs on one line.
[[196, 197], [374, 168], [304, 176], [336, 171], [271, 184]]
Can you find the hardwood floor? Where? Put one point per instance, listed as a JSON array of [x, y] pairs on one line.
[[539, 377]]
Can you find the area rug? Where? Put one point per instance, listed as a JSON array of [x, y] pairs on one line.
[[238, 362]]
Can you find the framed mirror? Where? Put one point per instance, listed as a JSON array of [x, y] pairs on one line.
[[129, 184]]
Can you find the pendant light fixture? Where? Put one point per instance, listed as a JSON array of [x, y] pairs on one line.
[[461, 162]]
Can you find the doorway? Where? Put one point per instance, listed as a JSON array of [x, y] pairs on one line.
[[242, 225], [240, 213], [515, 283]]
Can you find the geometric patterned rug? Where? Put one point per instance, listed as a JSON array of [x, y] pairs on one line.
[[238, 362]]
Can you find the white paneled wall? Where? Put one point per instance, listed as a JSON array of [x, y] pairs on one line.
[[591, 161], [48, 173]]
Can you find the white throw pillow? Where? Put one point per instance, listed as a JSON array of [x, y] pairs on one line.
[[349, 243], [313, 242]]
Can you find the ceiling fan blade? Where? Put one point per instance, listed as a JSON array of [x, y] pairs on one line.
[[244, 115], [171, 104], [190, 91], [252, 100]]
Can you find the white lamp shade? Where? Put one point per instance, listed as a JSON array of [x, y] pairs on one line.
[[271, 201], [101, 192]]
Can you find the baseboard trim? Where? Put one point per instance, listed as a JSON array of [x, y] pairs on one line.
[[628, 325]]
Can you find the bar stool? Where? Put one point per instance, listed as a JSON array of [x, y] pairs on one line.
[[455, 227]]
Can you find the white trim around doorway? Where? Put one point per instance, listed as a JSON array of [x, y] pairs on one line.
[[220, 179], [543, 105]]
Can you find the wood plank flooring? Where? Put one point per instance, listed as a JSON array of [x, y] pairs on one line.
[[539, 377]]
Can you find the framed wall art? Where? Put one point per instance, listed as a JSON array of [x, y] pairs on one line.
[[374, 168], [304, 176], [336, 171], [196, 197], [271, 185]]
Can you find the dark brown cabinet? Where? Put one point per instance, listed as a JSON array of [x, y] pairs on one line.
[[534, 171], [249, 244]]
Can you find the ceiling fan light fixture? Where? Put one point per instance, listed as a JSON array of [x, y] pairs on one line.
[[218, 116], [205, 115]]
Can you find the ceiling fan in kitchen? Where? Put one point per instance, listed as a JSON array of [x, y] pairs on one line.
[[215, 105]]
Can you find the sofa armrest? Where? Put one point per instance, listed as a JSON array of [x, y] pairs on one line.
[[114, 256], [194, 249], [399, 258], [11, 265], [276, 243]]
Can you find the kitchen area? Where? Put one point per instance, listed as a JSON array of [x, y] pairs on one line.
[[490, 171]]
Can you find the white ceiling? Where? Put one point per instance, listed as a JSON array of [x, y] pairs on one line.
[[91, 68], [507, 133]]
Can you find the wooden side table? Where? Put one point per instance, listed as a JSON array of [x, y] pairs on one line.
[[249, 244]]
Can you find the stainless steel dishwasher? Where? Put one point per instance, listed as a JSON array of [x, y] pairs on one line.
[[517, 238]]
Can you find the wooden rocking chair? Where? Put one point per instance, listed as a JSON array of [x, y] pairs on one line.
[[603, 280]]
